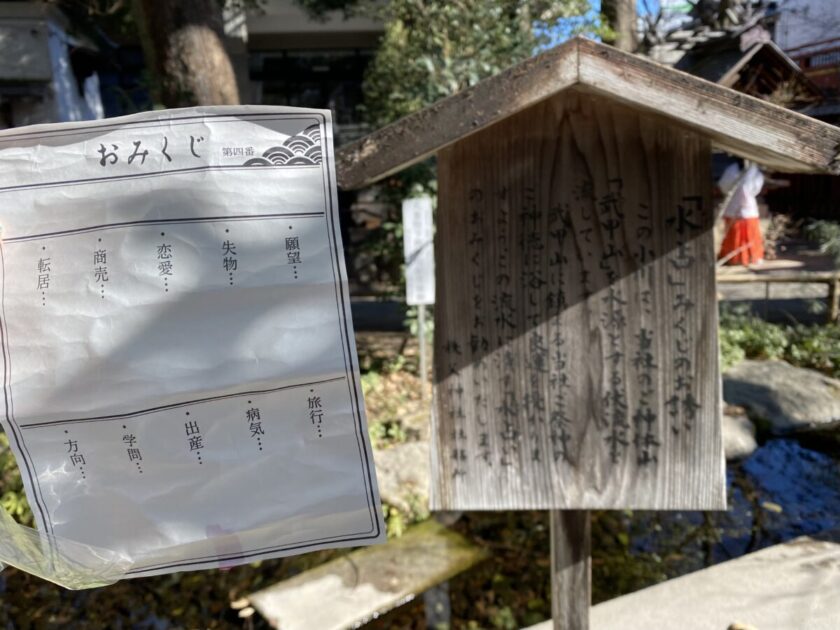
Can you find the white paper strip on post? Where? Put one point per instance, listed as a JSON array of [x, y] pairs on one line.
[[418, 247], [180, 376]]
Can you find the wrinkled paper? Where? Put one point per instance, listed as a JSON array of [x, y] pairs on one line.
[[181, 387]]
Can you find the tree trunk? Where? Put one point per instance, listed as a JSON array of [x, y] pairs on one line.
[[183, 42], [621, 17]]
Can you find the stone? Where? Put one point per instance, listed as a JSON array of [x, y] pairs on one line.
[[351, 590], [738, 436], [403, 473], [789, 399], [415, 420], [789, 586]]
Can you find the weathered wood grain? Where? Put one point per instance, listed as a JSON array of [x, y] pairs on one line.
[[576, 361], [830, 278], [750, 127], [571, 570], [420, 135], [746, 126], [740, 276]]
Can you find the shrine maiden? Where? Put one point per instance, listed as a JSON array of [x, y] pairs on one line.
[[742, 244]]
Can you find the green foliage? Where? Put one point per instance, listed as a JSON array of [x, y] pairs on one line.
[[387, 433], [731, 353], [504, 619], [431, 49], [827, 235], [744, 336], [384, 246], [816, 347], [395, 522], [386, 406], [434, 48], [620, 567], [412, 322], [12, 497]]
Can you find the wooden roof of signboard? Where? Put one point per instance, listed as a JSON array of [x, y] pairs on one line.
[[752, 128]]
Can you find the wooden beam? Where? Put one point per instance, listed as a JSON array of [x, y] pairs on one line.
[[731, 76], [802, 277], [421, 135], [740, 124], [737, 123]]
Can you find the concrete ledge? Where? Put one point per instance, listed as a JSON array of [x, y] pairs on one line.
[[353, 589], [786, 587]]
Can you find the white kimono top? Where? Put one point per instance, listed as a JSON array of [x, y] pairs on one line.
[[742, 205]]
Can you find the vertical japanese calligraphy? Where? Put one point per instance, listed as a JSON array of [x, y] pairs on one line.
[[132, 449], [195, 440], [75, 457], [230, 263], [255, 425], [316, 412], [100, 267], [576, 358], [293, 253], [44, 270], [164, 262], [682, 404], [559, 421]]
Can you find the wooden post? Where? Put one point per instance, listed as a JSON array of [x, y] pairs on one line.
[[766, 299], [834, 299], [421, 340], [571, 591]]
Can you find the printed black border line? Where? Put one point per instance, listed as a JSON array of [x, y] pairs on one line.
[[338, 287], [185, 403], [156, 122], [177, 171], [126, 224], [370, 502], [153, 124], [197, 562], [339, 291], [374, 531], [210, 560], [149, 124], [34, 482]]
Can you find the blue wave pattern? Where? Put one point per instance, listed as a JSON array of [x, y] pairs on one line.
[[303, 149]]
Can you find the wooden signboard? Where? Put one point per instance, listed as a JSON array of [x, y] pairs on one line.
[[418, 247], [576, 351], [576, 357]]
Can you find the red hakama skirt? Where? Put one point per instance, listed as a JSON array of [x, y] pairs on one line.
[[742, 244]]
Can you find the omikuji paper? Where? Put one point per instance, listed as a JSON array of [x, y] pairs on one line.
[[180, 377]]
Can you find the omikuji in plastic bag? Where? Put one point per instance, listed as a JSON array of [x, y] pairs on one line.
[[181, 384]]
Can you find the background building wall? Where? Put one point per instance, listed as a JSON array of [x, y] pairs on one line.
[[807, 21]]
